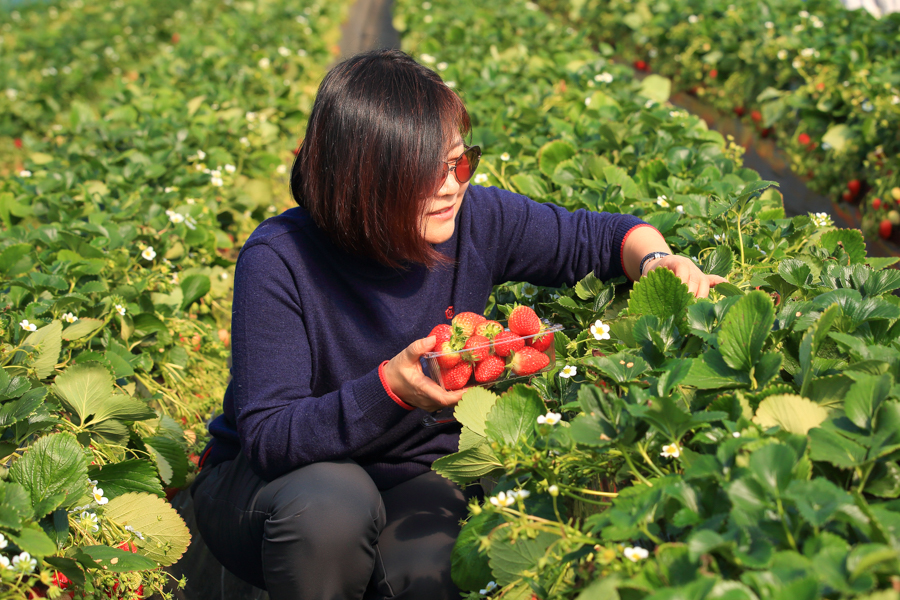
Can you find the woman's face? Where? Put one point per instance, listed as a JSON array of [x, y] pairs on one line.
[[441, 209]]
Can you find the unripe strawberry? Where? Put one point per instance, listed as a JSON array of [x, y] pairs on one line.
[[456, 378], [466, 322], [507, 342], [853, 187], [876, 203], [528, 361], [488, 329], [224, 337], [489, 369], [442, 333], [894, 217], [885, 229], [477, 348], [524, 321], [756, 116], [541, 341], [895, 193]]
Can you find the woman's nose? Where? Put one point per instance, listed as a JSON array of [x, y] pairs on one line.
[[450, 186]]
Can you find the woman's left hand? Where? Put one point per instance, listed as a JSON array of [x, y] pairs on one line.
[[697, 281]]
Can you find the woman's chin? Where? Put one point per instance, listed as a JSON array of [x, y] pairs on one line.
[[439, 233]]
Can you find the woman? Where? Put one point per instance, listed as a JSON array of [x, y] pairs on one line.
[[317, 483]]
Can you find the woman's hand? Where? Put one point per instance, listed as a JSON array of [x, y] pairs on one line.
[[404, 376], [697, 281]]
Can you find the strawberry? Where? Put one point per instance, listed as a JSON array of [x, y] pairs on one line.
[[455, 378], [739, 111], [466, 322], [18, 143], [507, 342], [528, 360], [176, 38], [476, 349], [541, 341], [885, 229], [895, 193], [640, 65], [853, 186], [524, 321], [713, 74], [756, 116], [847, 196], [804, 139], [767, 131], [449, 354], [820, 86], [876, 203], [489, 369], [894, 217], [128, 547], [442, 333], [488, 329]]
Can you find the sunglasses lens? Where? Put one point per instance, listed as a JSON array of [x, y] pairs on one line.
[[470, 159], [463, 169]]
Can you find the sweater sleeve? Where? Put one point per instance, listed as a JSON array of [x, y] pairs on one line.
[[281, 425], [548, 245]]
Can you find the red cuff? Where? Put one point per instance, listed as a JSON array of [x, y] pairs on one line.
[[622, 248], [387, 389]]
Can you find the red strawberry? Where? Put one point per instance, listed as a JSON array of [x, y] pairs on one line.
[[466, 322], [640, 65], [713, 74], [176, 38], [853, 187], [739, 111], [528, 360], [18, 143], [766, 132], [488, 329], [885, 229], [477, 348], [876, 203], [489, 369], [541, 341], [804, 139], [524, 321], [449, 354], [507, 342], [756, 116], [820, 86], [442, 333], [847, 196], [455, 378]]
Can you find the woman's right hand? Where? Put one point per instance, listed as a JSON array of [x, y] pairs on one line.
[[404, 376]]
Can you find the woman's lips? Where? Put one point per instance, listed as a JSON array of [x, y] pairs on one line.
[[442, 215]]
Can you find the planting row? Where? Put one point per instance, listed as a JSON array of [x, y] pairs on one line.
[[121, 221], [813, 75], [742, 446]]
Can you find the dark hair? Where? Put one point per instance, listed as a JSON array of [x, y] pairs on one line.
[[380, 126]]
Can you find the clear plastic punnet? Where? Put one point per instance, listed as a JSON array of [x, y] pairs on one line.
[[503, 358]]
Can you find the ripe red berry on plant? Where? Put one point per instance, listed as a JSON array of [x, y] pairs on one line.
[[755, 116], [804, 139], [885, 229]]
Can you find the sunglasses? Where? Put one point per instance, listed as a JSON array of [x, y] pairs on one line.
[[463, 167]]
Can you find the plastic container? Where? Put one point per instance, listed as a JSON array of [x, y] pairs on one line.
[[437, 373]]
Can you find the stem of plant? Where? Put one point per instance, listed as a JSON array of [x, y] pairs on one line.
[[634, 469]]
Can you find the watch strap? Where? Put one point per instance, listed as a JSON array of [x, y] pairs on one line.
[[649, 257]]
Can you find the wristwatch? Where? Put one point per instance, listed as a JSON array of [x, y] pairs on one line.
[[649, 257]]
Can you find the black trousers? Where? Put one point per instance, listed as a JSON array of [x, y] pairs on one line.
[[325, 532]]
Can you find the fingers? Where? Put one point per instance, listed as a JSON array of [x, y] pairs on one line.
[[714, 279], [703, 291], [687, 275], [420, 347]]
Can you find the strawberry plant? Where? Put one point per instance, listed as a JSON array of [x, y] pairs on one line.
[[743, 445]]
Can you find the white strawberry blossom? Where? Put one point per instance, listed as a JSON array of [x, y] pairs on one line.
[[717, 237], [442, 66], [281, 169], [99, 498], [803, 14], [505, 157], [551, 418], [3, 542], [11, 93], [450, 84], [230, 168], [568, 371], [867, 106], [23, 562], [245, 141], [693, 19], [797, 28], [481, 178], [553, 490], [895, 100], [736, 434], [820, 219], [24, 173], [603, 78], [531, 6], [679, 208], [600, 330], [807, 52], [4, 563], [769, 25], [635, 553], [175, 217], [492, 585], [783, 54], [264, 63], [661, 201], [28, 326], [69, 318], [283, 51], [796, 64], [89, 521], [149, 253], [428, 59], [587, 101], [529, 290], [120, 309], [670, 451], [503, 499]]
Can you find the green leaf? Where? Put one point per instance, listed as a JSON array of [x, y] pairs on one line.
[[508, 560], [656, 87], [719, 262], [194, 287], [67, 567], [838, 137], [54, 464], [113, 559], [12, 387], [135, 475], [474, 407], [727, 289], [745, 329], [772, 465], [15, 259], [618, 176], [818, 500], [663, 221], [166, 537], [469, 564], [15, 505], [660, 293], [33, 540], [710, 372], [812, 343], [513, 417], [23, 407], [86, 389], [48, 341], [792, 413], [529, 185], [589, 287], [852, 240], [553, 153], [619, 367], [467, 466], [864, 397], [795, 272], [81, 328], [829, 446], [171, 460]]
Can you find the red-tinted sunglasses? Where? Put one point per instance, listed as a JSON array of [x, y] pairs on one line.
[[463, 167]]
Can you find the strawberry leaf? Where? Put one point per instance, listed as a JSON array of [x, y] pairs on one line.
[[744, 330], [660, 293]]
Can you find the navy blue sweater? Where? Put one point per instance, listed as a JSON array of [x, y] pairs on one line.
[[311, 324]]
